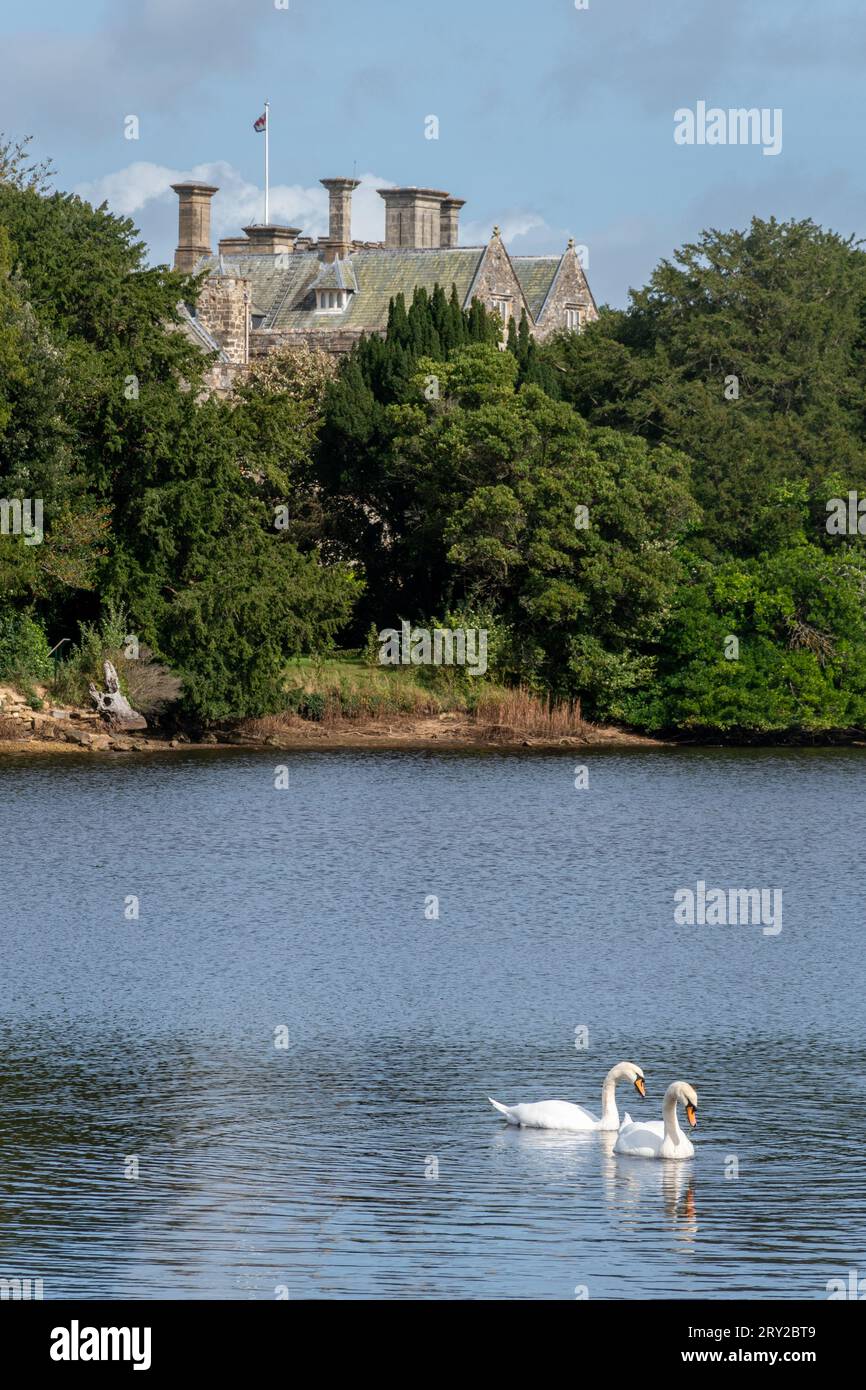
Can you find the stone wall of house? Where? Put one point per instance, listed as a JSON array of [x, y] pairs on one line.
[[497, 280], [219, 377], [570, 290], [219, 380], [224, 309], [335, 340]]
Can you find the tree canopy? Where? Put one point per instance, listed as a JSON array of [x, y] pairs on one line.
[[637, 513]]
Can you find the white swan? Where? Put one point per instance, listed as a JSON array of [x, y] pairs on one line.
[[661, 1138], [561, 1114]]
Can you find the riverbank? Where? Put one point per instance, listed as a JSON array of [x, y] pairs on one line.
[[406, 733], [65, 728], [443, 731]]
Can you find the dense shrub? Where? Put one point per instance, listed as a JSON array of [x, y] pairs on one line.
[[24, 650]]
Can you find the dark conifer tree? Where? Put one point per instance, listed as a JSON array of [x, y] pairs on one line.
[[524, 339], [398, 324], [477, 328], [458, 319], [440, 317]]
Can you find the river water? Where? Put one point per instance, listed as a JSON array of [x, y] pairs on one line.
[[243, 1057]]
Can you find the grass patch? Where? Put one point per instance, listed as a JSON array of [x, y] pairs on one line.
[[345, 688]]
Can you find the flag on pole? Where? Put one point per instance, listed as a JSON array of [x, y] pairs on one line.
[[260, 126]]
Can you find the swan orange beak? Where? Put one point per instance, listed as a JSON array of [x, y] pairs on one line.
[[692, 1116], [640, 1086]]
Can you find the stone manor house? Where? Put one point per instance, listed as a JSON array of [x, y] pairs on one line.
[[274, 286]]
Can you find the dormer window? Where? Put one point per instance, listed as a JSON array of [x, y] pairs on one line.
[[333, 286], [331, 301]]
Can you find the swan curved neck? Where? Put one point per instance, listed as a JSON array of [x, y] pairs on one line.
[[672, 1124], [609, 1109]]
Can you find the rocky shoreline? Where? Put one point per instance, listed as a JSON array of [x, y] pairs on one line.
[[69, 730]]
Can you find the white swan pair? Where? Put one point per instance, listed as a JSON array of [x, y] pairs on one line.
[[648, 1139]]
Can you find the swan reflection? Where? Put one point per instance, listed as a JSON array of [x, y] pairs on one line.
[[634, 1188]]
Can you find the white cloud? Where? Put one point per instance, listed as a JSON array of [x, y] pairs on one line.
[[128, 190], [525, 233], [518, 224]]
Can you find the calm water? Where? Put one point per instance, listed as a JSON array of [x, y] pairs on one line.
[[304, 1167]]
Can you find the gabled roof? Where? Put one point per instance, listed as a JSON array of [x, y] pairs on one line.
[[536, 275], [336, 275], [494, 248], [559, 271]]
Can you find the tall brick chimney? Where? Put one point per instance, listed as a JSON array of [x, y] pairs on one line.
[[339, 242], [412, 216], [193, 223], [449, 221]]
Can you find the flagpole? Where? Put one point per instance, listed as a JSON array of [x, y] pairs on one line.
[[267, 137]]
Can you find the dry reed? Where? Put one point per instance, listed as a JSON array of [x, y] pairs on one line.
[[517, 712]]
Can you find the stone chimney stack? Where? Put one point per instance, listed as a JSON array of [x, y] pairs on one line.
[[233, 246], [339, 242], [193, 223], [270, 240], [412, 216], [449, 220]]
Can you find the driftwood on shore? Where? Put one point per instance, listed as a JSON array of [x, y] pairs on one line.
[[114, 707]]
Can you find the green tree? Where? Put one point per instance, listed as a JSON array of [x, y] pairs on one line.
[[37, 463], [747, 353], [490, 483], [767, 646]]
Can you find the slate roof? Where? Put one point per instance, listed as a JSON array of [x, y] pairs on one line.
[[285, 296], [336, 275], [536, 275], [263, 272]]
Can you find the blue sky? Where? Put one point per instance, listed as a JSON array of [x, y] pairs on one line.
[[553, 121]]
